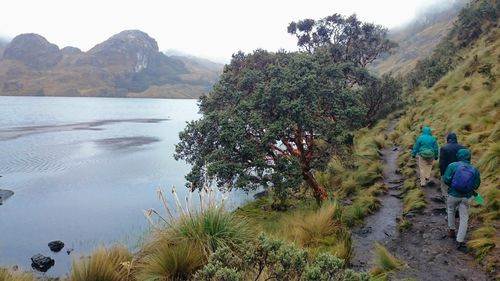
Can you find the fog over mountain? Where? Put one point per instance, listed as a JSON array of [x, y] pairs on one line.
[[417, 38]]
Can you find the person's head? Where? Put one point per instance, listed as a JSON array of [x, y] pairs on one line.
[[426, 131], [451, 138], [463, 155]]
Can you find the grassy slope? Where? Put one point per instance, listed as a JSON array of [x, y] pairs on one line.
[[413, 47], [418, 38], [465, 101]]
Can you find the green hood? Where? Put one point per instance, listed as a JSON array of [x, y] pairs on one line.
[[463, 155], [426, 131]]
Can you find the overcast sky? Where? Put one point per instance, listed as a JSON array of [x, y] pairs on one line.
[[213, 29]]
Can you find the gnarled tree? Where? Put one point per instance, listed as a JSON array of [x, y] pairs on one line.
[[262, 121]]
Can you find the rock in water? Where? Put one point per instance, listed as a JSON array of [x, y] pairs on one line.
[[4, 195], [41, 262], [56, 246]]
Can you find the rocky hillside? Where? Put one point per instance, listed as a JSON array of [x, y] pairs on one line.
[[417, 39], [128, 64], [3, 43]]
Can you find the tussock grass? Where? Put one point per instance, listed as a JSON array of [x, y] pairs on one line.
[[495, 133], [311, 229], [364, 204], [174, 261], [481, 246], [404, 224], [209, 227], [320, 231], [111, 264], [181, 245], [483, 240], [385, 263], [8, 275], [348, 187], [489, 161], [414, 200]]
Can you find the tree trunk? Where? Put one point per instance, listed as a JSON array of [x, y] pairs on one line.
[[319, 191]]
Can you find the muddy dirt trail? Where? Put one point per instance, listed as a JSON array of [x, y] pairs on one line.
[[381, 226], [427, 251]]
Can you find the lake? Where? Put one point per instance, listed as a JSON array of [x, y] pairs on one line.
[[83, 170]]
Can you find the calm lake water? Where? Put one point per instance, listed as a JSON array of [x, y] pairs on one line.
[[83, 171]]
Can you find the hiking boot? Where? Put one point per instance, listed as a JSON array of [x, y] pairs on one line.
[[451, 233], [462, 247]]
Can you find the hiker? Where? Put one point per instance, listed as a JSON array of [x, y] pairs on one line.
[[448, 155], [463, 179], [426, 147]]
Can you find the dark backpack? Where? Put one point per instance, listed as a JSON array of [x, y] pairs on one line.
[[463, 179]]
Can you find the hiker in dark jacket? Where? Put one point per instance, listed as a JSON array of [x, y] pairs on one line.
[[448, 155], [463, 180], [426, 147]]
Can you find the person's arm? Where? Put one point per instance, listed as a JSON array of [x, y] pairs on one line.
[[450, 171], [416, 148], [441, 161], [436, 149], [477, 180]]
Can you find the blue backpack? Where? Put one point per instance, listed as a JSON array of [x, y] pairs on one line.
[[463, 179]]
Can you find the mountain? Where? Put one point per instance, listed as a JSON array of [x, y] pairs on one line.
[[3, 44], [418, 38], [128, 64]]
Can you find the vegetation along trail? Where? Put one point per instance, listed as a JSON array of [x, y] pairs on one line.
[[381, 226], [423, 243]]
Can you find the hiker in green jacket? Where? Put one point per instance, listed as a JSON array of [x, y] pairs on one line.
[[463, 180], [426, 147]]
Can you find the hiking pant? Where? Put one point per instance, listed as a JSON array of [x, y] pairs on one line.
[[463, 210], [425, 167], [444, 189]]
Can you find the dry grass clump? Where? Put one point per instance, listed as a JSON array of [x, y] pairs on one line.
[[385, 263], [483, 240], [414, 200], [181, 245], [320, 231], [9, 275], [488, 163], [173, 261], [111, 264]]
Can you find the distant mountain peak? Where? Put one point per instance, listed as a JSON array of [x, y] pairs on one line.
[[132, 46], [126, 64], [33, 50]]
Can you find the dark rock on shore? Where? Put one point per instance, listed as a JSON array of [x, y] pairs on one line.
[[5, 194], [41, 262], [56, 246]]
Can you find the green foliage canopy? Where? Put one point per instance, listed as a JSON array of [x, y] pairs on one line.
[[346, 38], [262, 120]]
